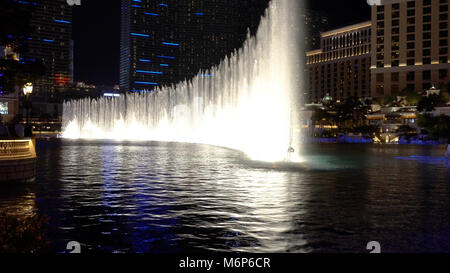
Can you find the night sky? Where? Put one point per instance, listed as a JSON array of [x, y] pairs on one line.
[[96, 34]]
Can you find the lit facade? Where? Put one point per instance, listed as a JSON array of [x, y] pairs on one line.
[[341, 67], [410, 45], [163, 43], [51, 42]]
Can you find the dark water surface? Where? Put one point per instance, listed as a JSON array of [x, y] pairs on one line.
[[168, 197]]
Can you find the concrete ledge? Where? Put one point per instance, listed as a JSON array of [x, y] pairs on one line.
[[20, 170]]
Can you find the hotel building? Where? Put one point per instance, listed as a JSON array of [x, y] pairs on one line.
[[341, 67], [410, 45], [163, 43]]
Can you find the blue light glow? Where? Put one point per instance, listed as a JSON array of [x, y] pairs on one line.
[[199, 13], [148, 83], [164, 5], [136, 6], [165, 57], [144, 60], [141, 35], [153, 14], [171, 44], [148, 72], [166, 65], [205, 75], [47, 40]]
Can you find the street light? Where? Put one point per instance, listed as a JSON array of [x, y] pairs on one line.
[[27, 90]]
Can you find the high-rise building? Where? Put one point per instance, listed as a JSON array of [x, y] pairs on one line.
[[50, 42], [410, 45], [163, 43], [341, 67], [315, 23]]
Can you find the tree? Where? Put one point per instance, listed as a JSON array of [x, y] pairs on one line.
[[411, 96], [18, 74], [436, 127], [445, 93], [429, 103]]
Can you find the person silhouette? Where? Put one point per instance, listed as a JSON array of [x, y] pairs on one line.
[[4, 132]]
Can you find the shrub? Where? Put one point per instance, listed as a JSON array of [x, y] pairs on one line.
[[23, 235]]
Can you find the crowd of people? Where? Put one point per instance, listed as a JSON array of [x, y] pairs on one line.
[[13, 129]]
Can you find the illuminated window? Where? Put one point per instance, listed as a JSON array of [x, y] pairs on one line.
[[4, 108]]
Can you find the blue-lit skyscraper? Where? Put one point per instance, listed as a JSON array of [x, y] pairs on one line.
[[164, 42], [49, 42]]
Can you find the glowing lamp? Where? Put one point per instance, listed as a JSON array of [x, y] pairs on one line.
[[28, 88]]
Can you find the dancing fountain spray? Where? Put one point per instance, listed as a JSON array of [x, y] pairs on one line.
[[248, 102]]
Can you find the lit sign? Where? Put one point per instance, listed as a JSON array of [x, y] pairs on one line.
[[74, 2], [4, 108]]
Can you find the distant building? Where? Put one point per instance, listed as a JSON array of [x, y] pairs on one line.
[[410, 45], [315, 23], [341, 67], [165, 43], [9, 101], [50, 42]]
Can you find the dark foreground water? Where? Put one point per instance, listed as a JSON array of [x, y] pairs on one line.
[[168, 197]]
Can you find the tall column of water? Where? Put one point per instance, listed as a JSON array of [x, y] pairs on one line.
[[248, 102]]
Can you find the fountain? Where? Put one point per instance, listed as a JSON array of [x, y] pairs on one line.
[[248, 102]]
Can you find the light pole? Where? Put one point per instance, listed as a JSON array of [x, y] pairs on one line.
[[27, 90]]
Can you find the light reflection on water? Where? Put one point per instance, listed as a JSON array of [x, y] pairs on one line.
[[169, 197]]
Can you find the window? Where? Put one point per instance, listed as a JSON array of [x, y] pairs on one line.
[[4, 108], [426, 75]]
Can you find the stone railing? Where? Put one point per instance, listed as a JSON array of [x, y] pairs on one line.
[[17, 160], [15, 148]]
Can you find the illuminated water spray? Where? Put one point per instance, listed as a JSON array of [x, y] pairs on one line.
[[248, 103]]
